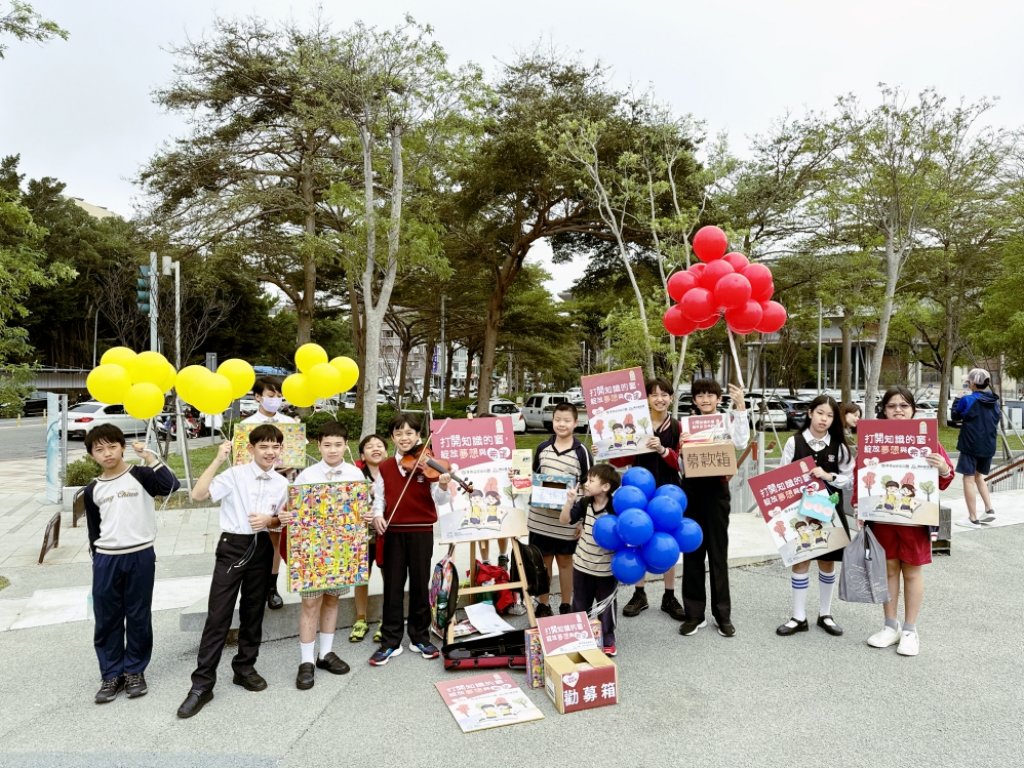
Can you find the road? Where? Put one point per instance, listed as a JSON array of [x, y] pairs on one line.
[[27, 440]]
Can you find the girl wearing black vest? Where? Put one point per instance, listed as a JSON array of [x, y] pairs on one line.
[[824, 441]]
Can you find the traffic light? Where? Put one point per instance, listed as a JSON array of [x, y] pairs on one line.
[[142, 290]]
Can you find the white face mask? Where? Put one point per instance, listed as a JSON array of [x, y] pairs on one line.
[[272, 404]]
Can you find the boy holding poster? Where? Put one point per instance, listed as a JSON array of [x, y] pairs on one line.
[[907, 545], [620, 423], [320, 607]]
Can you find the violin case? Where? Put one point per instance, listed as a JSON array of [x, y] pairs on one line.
[[506, 651]]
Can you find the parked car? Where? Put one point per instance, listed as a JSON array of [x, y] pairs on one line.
[[539, 408], [85, 416], [767, 412], [927, 409], [500, 407], [247, 406], [796, 411]]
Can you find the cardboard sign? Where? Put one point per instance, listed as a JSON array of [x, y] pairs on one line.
[[895, 482], [535, 653], [293, 453], [620, 420], [327, 542], [522, 471], [779, 494], [480, 451], [584, 680], [705, 428], [548, 491], [487, 701], [566, 633], [712, 459]]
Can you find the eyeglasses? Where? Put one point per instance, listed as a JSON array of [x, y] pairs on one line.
[[899, 407]]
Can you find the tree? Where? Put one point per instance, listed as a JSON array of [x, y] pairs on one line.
[[25, 23]]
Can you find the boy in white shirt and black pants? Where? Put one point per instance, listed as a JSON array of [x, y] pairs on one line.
[[121, 520], [251, 498]]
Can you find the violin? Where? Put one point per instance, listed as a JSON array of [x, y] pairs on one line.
[[431, 467]]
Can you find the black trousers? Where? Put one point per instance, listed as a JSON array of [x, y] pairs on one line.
[[122, 603], [708, 504], [588, 590], [406, 555], [251, 578]]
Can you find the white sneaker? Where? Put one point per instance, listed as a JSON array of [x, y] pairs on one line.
[[968, 523], [909, 645], [885, 638]]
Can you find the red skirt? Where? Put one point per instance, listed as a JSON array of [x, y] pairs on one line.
[[910, 544]]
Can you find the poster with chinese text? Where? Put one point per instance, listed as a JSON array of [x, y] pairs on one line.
[[620, 420], [487, 701], [706, 428], [895, 482], [327, 542], [566, 633]]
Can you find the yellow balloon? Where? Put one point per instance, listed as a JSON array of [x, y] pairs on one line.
[[324, 380], [189, 381], [309, 355], [166, 383], [240, 374], [349, 372], [108, 383], [149, 367], [297, 390], [144, 400], [214, 395], [118, 356]]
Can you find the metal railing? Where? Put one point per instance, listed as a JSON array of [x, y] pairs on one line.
[[1009, 477]]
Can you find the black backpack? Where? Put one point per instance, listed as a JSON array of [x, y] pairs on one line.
[[534, 573], [444, 594]]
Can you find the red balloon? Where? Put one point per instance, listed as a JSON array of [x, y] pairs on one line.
[[773, 317], [697, 304], [677, 323], [761, 285], [697, 270], [703, 325], [679, 283], [744, 319], [738, 260], [732, 291], [710, 244], [714, 272]]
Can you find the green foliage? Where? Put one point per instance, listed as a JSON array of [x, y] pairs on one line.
[[315, 421], [16, 383], [81, 472], [24, 23], [998, 329]]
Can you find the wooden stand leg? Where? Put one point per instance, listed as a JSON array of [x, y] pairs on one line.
[[527, 601]]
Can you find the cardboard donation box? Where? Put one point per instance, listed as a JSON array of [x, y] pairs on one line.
[[577, 673], [712, 459], [535, 654]]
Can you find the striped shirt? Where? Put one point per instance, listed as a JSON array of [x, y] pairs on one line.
[[590, 557], [550, 461]]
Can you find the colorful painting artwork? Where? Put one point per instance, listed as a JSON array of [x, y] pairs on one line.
[[895, 482], [790, 501], [293, 454], [620, 420], [327, 543], [487, 701]]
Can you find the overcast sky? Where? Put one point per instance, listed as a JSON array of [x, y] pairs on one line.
[[81, 110]]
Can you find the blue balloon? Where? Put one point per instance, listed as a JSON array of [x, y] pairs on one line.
[[628, 497], [635, 527], [673, 492], [661, 552], [606, 534], [641, 478], [628, 567], [666, 514], [689, 535]]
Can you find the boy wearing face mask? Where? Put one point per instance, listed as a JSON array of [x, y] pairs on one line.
[[267, 392]]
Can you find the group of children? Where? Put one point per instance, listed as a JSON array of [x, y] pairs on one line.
[[253, 505]]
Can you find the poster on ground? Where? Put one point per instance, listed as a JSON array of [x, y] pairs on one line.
[[620, 420], [480, 451], [327, 542], [799, 533], [487, 701], [895, 482]]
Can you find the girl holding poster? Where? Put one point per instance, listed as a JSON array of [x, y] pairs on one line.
[[907, 547], [824, 441]]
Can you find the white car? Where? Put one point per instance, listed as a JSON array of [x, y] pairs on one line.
[[767, 413], [85, 416], [247, 406], [500, 407], [539, 410], [927, 409]]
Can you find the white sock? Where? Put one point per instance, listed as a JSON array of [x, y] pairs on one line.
[[799, 582], [826, 583], [307, 652], [326, 643]]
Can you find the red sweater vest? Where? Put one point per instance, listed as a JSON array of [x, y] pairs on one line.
[[416, 512]]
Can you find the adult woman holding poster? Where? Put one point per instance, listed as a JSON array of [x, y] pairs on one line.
[[824, 441], [907, 547]]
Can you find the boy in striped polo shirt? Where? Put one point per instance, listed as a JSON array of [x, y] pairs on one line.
[[592, 579]]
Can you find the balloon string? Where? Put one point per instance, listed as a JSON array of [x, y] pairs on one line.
[[735, 358]]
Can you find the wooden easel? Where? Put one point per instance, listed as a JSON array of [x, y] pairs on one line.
[[475, 590]]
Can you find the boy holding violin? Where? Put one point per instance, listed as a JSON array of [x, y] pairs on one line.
[[404, 512]]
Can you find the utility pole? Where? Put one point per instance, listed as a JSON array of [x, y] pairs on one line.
[[154, 311], [819, 346], [442, 360], [170, 266]]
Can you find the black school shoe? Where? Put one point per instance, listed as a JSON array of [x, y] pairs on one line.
[[251, 681], [791, 627], [565, 608], [827, 623], [638, 602], [671, 606], [725, 628], [194, 702], [274, 600], [109, 689], [542, 610], [305, 679], [135, 685], [333, 664]]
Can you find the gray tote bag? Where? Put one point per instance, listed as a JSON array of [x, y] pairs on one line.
[[863, 578]]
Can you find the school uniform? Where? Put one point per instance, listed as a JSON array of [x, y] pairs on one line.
[[592, 579], [708, 503], [838, 461], [243, 563], [408, 545], [121, 521], [277, 418]]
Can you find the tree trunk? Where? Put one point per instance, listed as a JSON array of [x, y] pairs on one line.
[[449, 353], [946, 369], [846, 368], [495, 305], [403, 368], [428, 369], [892, 265], [305, 309], [467, 383], [358, 330]]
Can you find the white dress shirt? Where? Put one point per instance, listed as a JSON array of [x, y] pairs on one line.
[[277, 418], [322, 472], [844, 477], [245, 489]]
